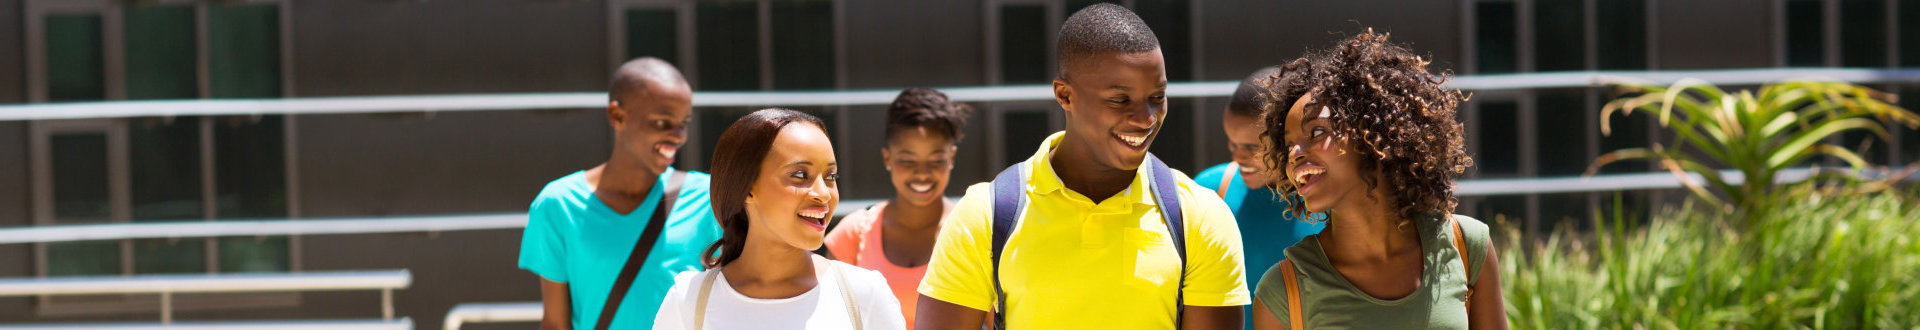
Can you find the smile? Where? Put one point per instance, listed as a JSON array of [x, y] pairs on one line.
[[1135, 141], [666, 150], [815, 217], [1305, 177], [920, 187]]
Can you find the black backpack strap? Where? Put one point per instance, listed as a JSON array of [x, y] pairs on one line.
[[1009, 196], [1166, 192], [640, 249]]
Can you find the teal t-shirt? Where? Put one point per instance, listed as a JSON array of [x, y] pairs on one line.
[[573, 238], [1266, 228]]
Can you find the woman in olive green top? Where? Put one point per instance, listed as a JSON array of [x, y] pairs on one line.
[[1370, 138]]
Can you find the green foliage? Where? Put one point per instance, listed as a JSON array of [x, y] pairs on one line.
[[1822, 259], [1759, 134]]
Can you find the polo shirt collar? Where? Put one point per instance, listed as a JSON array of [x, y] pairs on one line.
[[1041, 179]]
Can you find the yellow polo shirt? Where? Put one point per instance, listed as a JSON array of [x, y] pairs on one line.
[[1077, 264]]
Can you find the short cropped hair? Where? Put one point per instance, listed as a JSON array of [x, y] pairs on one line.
[[639, 74], [1100, 29]]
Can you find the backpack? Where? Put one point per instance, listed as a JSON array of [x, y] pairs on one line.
[[1010, 197]]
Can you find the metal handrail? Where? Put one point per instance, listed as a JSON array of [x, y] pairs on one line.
[[496, 221], [580, 100]]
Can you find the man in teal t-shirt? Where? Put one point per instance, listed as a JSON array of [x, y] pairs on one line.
[[1266, 227], [582, 228]]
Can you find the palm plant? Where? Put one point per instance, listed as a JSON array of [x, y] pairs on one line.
[[1759, 134]]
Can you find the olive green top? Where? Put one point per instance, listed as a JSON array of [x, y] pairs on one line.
[[1330, 302]]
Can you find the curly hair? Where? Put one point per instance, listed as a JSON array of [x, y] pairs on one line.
[[1379, 96]]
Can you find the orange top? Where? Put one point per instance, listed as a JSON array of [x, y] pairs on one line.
[[857, 241]]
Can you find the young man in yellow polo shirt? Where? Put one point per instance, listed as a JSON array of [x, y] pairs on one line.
[[1087, 245]]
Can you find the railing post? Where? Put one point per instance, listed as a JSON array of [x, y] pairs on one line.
[[166, 307], [386, 304]]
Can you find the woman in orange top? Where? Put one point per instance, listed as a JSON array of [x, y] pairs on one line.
[[896, 237]]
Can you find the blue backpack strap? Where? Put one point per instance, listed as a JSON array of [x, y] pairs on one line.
[[1009, 196], [1166, 192]]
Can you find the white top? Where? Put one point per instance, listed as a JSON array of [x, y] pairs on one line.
[[820, 308]]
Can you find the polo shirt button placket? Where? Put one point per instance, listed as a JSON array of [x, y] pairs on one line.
[[1092, 232]]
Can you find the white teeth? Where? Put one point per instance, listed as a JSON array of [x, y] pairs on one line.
[[1301, 175], [1132, 140], [666, 150], [814, 215], [920, 187]]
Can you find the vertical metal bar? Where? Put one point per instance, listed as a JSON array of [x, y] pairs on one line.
[[1590, 35], [1830, 32], [208, 191], [616, 34], [840, 47], [166, 307], [990, 42], [113, 34], [764, 18], [386, 304], [1468, 38], [1652, 36], [120, 184]]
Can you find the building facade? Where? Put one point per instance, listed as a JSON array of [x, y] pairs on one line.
[[434, 163]]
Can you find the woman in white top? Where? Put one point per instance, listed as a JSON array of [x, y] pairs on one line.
[[773, 192]]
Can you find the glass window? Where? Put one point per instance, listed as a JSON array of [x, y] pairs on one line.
[[1909, 34], [1564, 210], [250, 167], [1623, 45], [1560, 128], [1170, 21], [80, 195], [728, 45], [653, 32], [1806, 40], [1628, 132], [1174, 143], [803, 42], [80, 177], [1024, 130], [244, 46], [75, 64], [1499, 139], [1559, 36], [166, 185], [1073, 6], [1495, 45], [1023, 45], [160, 53], [1863, 33], [713, 122]]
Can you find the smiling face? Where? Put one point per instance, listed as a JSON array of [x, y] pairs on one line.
[[1243, 140], [1115, 103], [796, 192], [919, 160], [651, 125], [1321, 166]]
